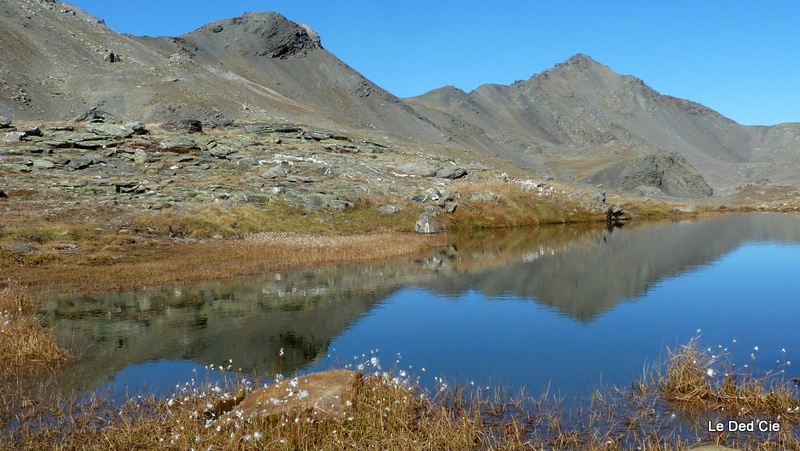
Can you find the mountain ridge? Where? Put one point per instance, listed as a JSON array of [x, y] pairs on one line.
[[578, 122]]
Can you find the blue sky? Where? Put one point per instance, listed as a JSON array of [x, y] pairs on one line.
[[741, 58]]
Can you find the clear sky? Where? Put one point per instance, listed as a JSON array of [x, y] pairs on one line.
[[741, 58]]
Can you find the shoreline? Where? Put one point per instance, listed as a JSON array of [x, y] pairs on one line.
[[224, 259]]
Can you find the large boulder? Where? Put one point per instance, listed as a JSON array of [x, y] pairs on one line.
[[110, 130], [182, 126], [418, 169], [325, 394], [426, 225]]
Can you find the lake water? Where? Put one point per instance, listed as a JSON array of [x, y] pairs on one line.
[[558, 308]]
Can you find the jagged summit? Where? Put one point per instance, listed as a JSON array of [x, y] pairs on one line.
[[262, 34], [581, 61]]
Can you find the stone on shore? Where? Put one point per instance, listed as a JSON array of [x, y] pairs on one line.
[[325, 393], [426, 225]]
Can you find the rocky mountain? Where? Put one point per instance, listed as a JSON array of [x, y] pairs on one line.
[[584, 122], [578, 122], [59, 62]]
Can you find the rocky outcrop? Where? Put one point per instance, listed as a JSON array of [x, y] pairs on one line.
[[183, 165], [653, 174]]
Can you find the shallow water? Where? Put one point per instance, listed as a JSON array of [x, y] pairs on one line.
[[560, 309]]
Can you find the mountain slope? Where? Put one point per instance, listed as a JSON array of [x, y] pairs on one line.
[[256, 67], [586, 123]]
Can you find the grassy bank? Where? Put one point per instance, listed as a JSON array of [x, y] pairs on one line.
[[47, 237], [100, 248]]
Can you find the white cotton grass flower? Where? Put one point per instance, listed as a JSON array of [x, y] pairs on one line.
[[710, 372]]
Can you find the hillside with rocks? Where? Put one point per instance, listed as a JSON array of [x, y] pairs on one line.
[[60, 62], [579, 123], [583, 122]]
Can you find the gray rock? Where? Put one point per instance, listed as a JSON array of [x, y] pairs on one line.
[[388, 209], [684, 209], [183, 126], [125, 187], [418, 198], [246, 162], [260, 128], [13, 137], [31, 130], [418, 169], [431, 210], [5, 122], [40, 163], [139, 156], [178, 144], [109, 130], [17, 167], [426, 225], [80, 140], [95, 115], [451, 172], [137, 127], [220, 150], [451, 207], [315, 201], [78, 164], [616, 213], [275, 172], [3, 194]]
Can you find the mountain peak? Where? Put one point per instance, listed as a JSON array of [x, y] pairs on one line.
[[263, 33], [582, 63]]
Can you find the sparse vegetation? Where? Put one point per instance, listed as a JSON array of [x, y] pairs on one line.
[[698, 380], [25, 346], [389, 410], [497, 204]]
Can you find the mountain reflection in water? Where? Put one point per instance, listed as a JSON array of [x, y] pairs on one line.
[[463, 311]]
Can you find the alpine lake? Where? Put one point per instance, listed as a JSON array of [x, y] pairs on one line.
[[555, 309]]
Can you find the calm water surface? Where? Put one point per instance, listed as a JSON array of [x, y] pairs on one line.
[[562, 309]]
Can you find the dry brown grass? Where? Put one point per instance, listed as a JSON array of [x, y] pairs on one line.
[[382, 415], [696, 379], [513, 206], [25, 346], [390, 412], [215, 260]]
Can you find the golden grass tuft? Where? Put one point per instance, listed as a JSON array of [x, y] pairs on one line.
[[697, 380], [25, 346]]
